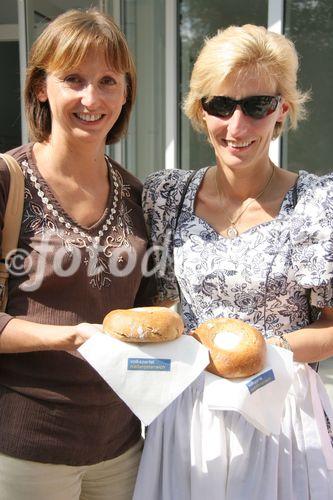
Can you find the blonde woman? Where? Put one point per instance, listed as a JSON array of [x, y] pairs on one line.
[[252, 242], [64, 434]]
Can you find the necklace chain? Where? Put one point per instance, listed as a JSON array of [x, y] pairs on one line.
[[232, 231]]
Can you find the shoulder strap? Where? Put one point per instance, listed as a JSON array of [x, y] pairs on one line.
[[177, 215], [12, 221], [181, 201], [294, 194]]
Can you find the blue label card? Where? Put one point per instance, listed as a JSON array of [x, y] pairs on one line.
[[149, 364], [260, 381]]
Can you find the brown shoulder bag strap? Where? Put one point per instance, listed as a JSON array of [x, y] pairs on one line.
[[12, 221]]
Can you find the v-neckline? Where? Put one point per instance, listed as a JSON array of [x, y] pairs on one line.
[[287, 200], [48, 193]]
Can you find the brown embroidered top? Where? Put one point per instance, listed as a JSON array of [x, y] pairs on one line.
[[53, 406]]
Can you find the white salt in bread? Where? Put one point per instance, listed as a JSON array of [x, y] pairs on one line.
[[236, 348], [144, 324]]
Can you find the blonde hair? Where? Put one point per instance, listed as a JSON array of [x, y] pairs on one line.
[[230, 54], [64, 44]]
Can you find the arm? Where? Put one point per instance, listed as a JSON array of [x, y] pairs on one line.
[[314, 342], [25, 336]]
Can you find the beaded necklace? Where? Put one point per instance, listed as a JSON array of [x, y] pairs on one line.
[[77, 230]]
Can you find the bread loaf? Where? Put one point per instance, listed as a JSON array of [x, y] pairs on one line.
[[144, 324], [236, 348]]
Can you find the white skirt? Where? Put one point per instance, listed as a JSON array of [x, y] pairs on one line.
[[193, 453]]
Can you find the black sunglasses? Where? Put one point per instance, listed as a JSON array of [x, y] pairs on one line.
[[257, 106]]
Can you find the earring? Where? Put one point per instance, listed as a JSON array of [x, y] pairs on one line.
[[41, 97], [41, 92]]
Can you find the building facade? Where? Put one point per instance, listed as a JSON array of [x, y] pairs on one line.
[[165, 37]]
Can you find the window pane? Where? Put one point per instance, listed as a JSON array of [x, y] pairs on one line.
[[199, 19], [309, 23], [144, 29], [10, 116]]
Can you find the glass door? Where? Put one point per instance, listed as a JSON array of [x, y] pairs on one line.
[[10, 116], [33, 15], [197, 20], [143, 22], [310, 25]]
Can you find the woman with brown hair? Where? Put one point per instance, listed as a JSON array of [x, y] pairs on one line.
[[64, 434]]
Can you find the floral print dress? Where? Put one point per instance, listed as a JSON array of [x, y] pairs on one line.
[[275, 276]]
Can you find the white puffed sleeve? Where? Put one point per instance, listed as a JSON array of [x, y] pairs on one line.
[[162, 193], [311, 234]]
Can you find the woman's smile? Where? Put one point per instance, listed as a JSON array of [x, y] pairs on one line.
[[240, 145], [87, 117]]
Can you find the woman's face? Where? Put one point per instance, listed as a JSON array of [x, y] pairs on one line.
[[85, 101], [240, 141]]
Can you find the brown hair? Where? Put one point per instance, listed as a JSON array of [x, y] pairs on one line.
[[63, 44], [233, 51]]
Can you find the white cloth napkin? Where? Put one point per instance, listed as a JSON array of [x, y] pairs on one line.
[[147, 377], [260, 398]]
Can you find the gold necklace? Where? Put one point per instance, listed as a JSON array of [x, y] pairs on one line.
[[232, 231]]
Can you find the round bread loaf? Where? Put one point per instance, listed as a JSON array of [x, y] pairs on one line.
[[144, 324], [236, 348]]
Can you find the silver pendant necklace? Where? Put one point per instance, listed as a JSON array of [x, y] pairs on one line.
[[232, 231]]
